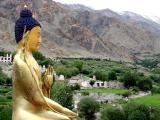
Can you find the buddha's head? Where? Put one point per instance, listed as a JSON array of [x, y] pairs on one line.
[[27, 26]]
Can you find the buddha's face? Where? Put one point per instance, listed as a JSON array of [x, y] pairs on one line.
[[34, 39]]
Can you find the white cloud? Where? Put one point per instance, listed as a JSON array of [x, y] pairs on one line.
[[143, 7]]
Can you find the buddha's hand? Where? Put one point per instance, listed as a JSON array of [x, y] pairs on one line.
[[70, 114], [48, 79], [49, 73]]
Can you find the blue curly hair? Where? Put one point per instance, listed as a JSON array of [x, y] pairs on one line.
[[25, 23]]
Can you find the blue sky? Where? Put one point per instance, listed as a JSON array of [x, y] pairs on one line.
[[143, 7]]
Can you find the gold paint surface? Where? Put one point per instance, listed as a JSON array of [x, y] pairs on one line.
[[31, 90]]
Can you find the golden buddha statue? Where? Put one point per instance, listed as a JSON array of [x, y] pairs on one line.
[[30, 89]]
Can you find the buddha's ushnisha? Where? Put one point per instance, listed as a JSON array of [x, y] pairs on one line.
[[30, 88]]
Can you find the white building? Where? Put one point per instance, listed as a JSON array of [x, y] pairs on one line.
[[7, 59], [108, 84], [74, 80], [61, 77]]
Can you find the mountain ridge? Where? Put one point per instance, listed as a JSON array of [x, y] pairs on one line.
[[68, 32]]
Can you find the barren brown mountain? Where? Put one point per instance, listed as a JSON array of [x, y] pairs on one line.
[[78, 31]]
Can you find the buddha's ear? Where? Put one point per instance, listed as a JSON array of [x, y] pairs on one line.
[[26, 35], [23, 42], [25, 38]]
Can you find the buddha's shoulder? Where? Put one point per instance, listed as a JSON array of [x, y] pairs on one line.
[[18, 61]]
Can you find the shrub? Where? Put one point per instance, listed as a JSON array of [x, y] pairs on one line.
[[111, 113], [135, 111], [86, 71], [85, 93], [146, 110], [2, 98], [155, 90], [63, 94], [155, 113], [129, 79], [150, 63], [38, 56], [156, 70], [126, 94], [87, 108], [134, 90], [98, 74], [67, 72], [6, 113], [118, 70], [46, 62], [137, 115], [78, 64], [129, 107], [9, 81], [155, 78], [101, 75], [112, 75], [4, 90], [76, 87], [144, 84], [4, 52]]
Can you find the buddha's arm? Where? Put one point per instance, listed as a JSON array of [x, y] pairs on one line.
[[60, 108], [29, 87]]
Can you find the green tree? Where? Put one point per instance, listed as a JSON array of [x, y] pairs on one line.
[[137, 115], [101, 75], [142, 110], [155, 113], [38, 56], [42, 60], [155, 90], [98, 75], [104, 76], [129, 79], [87, 108], [144, 84], [129, 108], [78, 64], [104, 116], [146, 110], [76, 87], [8, 81], [150, 63], [4, 52], [66, 71], [155, 78], [46, 62], [86, 70], [111, 113], [63, 94], [6, 112], [112, 75]]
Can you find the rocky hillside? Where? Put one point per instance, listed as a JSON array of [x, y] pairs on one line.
[[78, 31]]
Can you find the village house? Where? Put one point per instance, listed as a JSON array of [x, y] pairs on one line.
[[7, 59], [84, 81]]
